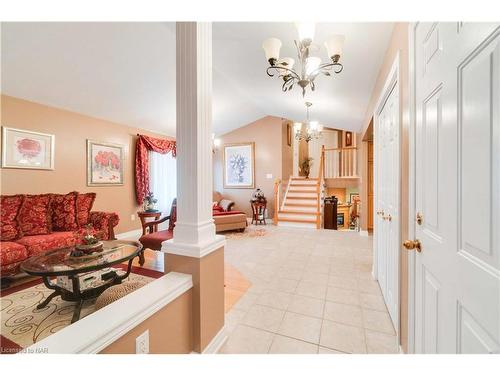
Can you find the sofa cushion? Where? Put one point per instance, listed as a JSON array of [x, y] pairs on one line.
[[153, 240], [84, 203], [63, 211], [9, 227], [12, 252], [45, 242], [34, 216], [226, 204]]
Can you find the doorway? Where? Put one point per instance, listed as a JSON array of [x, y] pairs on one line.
[[386, 131]]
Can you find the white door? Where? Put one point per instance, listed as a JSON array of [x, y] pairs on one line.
[[386, 133], [457, 189]]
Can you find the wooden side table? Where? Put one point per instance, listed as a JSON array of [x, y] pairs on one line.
[[258, 212], [144, 216]]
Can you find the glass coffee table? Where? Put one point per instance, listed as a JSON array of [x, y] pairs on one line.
[[82, 278]]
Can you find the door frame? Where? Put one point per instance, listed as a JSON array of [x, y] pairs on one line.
[[411, 184], [392, 83]]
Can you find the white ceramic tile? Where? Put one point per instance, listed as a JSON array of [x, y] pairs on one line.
[[264, 317], [307, 306], [368, 287], [341, 313], [317, 278], [342, 337], [278, 300], [308, 289], [301, 327], [378, 321], [247, 340], [246, 301], [233, 318], [283, 285], [287, 345], [350, 297], [343, 282], [381, 343], [323, 350], [372, 302]]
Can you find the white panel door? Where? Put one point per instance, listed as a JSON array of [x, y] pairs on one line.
[[457, 189], [387, 193]]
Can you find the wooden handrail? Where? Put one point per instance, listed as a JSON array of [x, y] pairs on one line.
[[277, 183], [341, 148]]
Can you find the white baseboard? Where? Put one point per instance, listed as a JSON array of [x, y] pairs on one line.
[[136, 233], [363, 233], [217, 342]]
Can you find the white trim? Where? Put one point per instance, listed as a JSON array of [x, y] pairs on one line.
[[136, 233], [98, 330], [364, 233], [411, 188], [217, 342], [193, 250]]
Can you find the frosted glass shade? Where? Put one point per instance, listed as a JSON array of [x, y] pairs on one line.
[[216, 142], [306, 30], [314, 125], [312, 63], [272, 48], [334, 45], [297, 127]]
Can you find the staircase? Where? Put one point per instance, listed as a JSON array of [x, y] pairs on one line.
[[301, 204]]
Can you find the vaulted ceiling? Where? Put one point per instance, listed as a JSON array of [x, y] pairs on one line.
[[125, 72]]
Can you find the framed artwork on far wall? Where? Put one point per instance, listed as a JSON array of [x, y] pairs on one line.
[[104, 163], [348, 139], [289, 134], [239, 166], [27, 149]]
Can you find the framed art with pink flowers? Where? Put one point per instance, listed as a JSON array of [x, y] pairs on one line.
[[104, 164], [27, 149]]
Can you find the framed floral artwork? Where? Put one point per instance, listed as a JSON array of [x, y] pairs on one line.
[[27, 149], [104, 164], [239, 166]]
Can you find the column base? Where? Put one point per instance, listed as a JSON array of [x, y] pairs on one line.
[[193, 250]]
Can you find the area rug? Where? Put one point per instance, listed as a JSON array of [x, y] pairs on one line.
[[22, 324], [249, 232]]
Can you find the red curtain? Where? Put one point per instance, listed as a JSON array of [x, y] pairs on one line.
[[143, 145]]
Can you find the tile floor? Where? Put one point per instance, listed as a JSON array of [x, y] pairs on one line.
[[312, 292]]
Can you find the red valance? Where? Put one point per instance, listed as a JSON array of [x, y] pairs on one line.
[[143, 145]]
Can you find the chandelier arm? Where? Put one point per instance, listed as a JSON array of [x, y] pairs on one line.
[[327, 67], [277, 69]]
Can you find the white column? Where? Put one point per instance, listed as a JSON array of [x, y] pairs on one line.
[[194, 232]]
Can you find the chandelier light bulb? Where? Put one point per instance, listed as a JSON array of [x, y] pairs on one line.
[[306, 31], [217, 142], [334, 45], [312, 63], [272, 48], [297, 127], [313, 125]]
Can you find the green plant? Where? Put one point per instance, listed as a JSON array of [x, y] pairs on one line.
[[305, 166]]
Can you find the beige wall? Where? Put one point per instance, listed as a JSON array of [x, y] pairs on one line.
[[71, 132], [170, 330], [267, 135], [398, 43]]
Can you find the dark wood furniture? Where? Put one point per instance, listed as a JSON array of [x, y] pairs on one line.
[[144, 216], [69, 270], [330, 213], [258, 211]]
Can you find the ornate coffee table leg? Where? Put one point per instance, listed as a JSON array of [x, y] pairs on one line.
[[141, 258], [47, 300], [76, 313]]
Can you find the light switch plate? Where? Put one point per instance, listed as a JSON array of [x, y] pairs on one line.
[[142, 343], [269, 176], [132, 217]]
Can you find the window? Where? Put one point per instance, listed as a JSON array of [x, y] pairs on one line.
[[163, 181]]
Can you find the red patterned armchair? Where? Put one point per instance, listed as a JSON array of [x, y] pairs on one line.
[[34, 224]]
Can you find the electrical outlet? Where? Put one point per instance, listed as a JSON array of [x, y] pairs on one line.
[[132, 217], [269, 176], [142, 343]]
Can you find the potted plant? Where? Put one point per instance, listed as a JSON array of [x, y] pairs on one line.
[[305, 166], [89, 243], [149, 202]]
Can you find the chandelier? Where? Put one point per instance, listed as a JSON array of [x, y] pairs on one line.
[[311, 66], [312, 128]]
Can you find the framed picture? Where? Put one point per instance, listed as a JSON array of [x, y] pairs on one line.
[[26, 149], [353, 196], [104, 164], [348, 139], [289, 134], [239, 166]]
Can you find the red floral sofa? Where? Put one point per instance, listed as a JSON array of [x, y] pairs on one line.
[[34, 224]]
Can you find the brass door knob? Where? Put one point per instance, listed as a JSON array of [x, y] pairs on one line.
[[388, 217], [410, 245], [419, 218], [380, 212]]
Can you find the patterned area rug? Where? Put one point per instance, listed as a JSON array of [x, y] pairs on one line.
[[22, 324], [249, 232]]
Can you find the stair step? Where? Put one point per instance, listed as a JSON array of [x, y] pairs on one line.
[[303, 178], [308, 198], [307, 221], [298, 212], [304, 185], [300, 204], [303, 191]]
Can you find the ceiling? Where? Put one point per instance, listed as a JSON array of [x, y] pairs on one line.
[[125, 72]]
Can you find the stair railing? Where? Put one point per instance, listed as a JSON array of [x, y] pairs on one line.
[[320, 186], [277, 195], [341, 162]]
